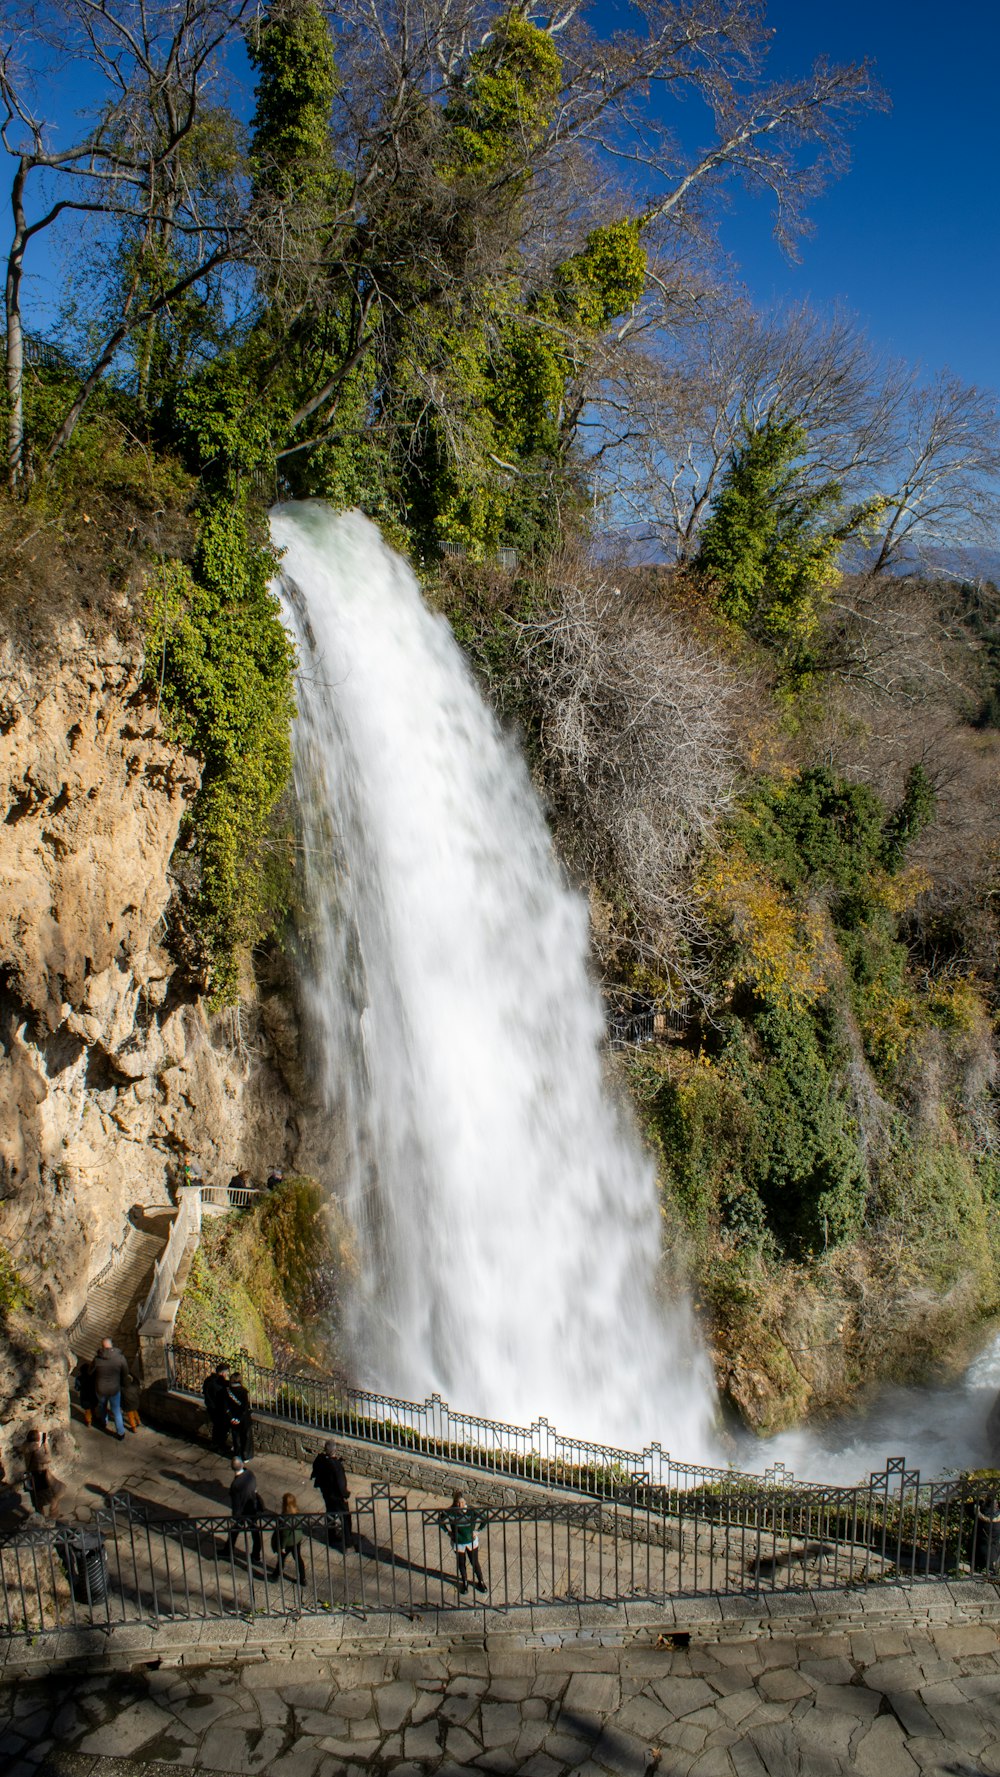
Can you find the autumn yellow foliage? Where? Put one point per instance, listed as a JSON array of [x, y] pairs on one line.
[[781, 949]]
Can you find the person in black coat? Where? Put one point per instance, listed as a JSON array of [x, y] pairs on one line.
[[246, 1506], [215, 1390], [239, 1183], [110, 1371], [240, 1419], [986, 1541], [329, 1476], [86, 1384]]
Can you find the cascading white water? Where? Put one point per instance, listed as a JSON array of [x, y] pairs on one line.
[[508, 1223]]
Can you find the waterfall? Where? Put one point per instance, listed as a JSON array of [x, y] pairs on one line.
[[507, 1220]]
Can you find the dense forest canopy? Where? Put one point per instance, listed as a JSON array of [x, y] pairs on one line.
[[456, 264]]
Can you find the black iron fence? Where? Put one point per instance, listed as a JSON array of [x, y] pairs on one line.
[[135, 1565], [41, 352], [632, 1022], [536, 1452], [729, 1525]]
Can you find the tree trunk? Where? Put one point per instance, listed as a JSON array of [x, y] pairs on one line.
[[15, 335]]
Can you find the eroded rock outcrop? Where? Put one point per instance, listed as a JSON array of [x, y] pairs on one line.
[[111, 1069]]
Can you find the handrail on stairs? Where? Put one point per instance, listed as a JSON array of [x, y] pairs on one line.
[[117, 1253], [187, 1222]]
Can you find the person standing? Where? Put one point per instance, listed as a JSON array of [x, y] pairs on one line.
[[246, 1506], [110, 1371], [463, 1526], [329, 1476], [86, 1385], [215, 1390], [287, 1539], [986, 1540], [240, 1419], [44, 1490], [131, 1396], [238, 1184]]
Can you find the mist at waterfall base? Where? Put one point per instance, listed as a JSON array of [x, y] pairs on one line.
[[939, 1428], [507, 1220]]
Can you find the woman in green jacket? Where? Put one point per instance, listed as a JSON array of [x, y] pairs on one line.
[[463, 1526]]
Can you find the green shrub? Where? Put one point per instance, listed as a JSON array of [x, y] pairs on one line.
[[222, 665], [261, 1277], [15, 1296], [217, 1312], [702, 1130], [804, 1162], [933, 1193]]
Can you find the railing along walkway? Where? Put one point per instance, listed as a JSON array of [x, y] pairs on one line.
[[184, 1235], [132, 1567], [899, 1522]]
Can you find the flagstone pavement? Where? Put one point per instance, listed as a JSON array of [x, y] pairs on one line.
[[885, 1703]]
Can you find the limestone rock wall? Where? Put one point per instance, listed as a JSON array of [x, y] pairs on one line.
[[111, 1069]]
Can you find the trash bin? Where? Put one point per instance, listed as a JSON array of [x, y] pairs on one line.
[[87, 1566]]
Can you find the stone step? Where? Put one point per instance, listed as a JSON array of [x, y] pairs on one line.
[[113, 1304]]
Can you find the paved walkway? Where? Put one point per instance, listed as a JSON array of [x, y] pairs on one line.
[[564, 1548], [402, 1558], [164, 1470], [888, 1703], [882, 1702]]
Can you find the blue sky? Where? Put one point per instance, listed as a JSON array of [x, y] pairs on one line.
[[910, 238]]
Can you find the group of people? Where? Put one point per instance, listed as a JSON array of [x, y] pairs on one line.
[[241, 1183], [106, 1386], [248, 1508], [227, 1404]]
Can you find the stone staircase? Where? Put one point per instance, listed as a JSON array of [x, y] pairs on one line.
[[117, 1294]]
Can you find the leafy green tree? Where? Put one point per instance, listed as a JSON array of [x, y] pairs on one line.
[[292, 52], [502, 108], [769, 547], [222, 663]]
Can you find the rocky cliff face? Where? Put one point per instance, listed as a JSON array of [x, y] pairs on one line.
[[111, 1069]]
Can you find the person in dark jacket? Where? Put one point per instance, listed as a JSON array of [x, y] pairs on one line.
[[110, 1371], [215, 1390], [131, 1396], [463, 1526], [246, 1506], [329, 1476], [287, 1539], [86, 1388], [239, 1183], [986, 1541], [240, 1419]]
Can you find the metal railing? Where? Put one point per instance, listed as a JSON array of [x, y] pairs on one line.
[[650, 1480], [136, 1564], [230, 1196], [42, 352], [186, 1224], [630, 1030], [630, 1026], [533, 1453]]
